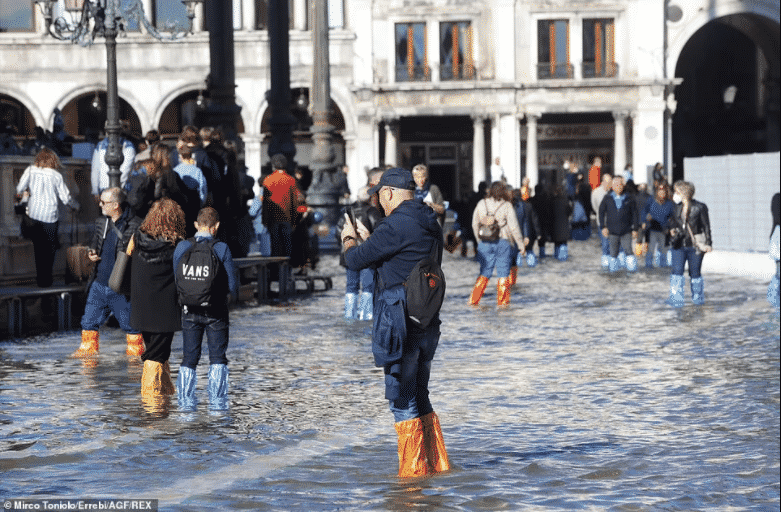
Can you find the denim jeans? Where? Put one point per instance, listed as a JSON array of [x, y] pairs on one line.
[[193, 328], [360, 280], [101, 302], [681, 256], [406, 384], [494, 254], [604, 242]]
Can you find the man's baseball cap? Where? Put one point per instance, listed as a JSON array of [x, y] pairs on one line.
[[394, 178]]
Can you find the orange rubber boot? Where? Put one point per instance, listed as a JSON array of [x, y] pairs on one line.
[[434, 444], [156, 379], [478, 290], [90, 344], [503, 288], [513, 275], [412, 455], [135, 344]]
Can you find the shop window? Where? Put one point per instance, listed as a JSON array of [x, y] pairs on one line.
[[411, 62], [553, 49], [599, 48], [455, 51], [16, 16]]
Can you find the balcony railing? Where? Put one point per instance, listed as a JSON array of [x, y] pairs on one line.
[[603, 70], [412, 74], [547, 70], [462, 72]]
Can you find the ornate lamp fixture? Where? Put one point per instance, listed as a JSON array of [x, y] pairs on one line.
[[81, 21]]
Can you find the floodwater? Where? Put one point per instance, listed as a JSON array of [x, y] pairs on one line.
[[587, 393]]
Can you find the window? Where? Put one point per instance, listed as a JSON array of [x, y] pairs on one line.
[[411, 63], [455, 51], [335, 13], [553, 49], [170, 14], [16, 15], [599, 48]]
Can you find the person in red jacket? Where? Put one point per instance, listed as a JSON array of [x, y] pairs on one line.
[[595, 173], [280, 203]]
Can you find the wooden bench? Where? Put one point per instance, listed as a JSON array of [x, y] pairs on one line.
[[261, 265], [15, 298]]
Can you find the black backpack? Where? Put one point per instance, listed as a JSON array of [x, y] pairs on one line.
[[425, 289], [196, 275]]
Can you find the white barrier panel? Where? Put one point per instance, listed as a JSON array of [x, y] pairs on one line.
[[737, 190]]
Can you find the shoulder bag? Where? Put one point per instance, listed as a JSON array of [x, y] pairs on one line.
[[119, 281]]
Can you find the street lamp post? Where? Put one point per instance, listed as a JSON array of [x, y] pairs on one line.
[[87, 19]]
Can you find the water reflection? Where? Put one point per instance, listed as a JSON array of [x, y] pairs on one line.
[[588, 392]]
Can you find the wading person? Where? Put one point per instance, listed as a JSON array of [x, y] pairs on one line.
[[690, 239], [154, 309], [113, 232], [495, 225], [408, 234], [619, 220], [205, 280]]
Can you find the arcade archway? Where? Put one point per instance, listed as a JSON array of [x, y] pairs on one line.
[[728, 102]]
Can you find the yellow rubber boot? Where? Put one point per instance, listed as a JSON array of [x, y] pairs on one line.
[[412, 454], [135, 344], [503, 288], [90, 344], [156, 379], [513, 275], [434, 444], [478, 290]]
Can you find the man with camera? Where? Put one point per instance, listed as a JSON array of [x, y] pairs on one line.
[[408, 234]]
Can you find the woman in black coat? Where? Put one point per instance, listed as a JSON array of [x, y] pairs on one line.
[[561, 209], [154, 307]]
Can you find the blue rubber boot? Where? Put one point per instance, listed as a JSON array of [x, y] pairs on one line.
[[622, 259], [613, 264], [669, 258], [676, 292], [631, 263], [605, 262], [773, 292], [218, 387], [366, 306], [185, 388], [562, 252], [350, 305], [531, 259], [698, 292]]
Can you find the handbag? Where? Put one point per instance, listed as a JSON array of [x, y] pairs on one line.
[[699, 241], [119, 281]]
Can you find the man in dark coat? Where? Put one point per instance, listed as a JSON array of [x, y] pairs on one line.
[[408, 234], [619, 219], [113, 232]]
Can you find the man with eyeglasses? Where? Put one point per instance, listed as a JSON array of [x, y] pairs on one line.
[[113, 231], [408, 234]]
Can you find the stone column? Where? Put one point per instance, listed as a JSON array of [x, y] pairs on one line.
[[531, 149], [619, 149], [299, 15], [478, 151], [391, 142], [375, 143], [248, 15], [198, 21]]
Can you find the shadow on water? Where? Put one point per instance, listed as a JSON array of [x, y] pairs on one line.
[[588, 392]]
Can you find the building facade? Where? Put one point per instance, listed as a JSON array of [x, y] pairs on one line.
[[455, 84]]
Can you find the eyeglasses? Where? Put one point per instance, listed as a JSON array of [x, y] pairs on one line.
[[102, 202]]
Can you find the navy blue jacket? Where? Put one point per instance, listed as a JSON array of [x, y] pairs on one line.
[[618, 222], [398, 243]]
